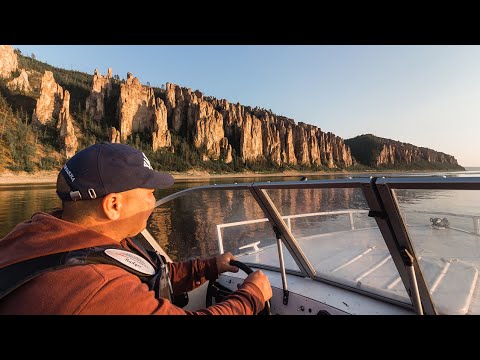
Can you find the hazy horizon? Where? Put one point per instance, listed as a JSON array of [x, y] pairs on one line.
[[423, 95]]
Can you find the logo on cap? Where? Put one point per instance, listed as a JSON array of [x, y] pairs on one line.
[[69, 173], [146, 162]]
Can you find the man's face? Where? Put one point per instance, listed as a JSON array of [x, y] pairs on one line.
[[137, 209]]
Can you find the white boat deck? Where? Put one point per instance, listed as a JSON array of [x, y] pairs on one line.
[[449, 261]]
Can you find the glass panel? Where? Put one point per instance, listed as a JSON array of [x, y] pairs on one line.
[[341, 242], [200, 224], [443, 226]]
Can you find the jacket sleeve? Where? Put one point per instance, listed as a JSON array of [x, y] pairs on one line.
[[247, 300], [188, 275], [126, 294]]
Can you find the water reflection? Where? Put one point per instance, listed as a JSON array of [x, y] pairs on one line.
[[19, 203], [413, 196], [187, 226]]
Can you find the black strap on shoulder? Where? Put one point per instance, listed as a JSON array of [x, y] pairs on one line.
[[15, 275], [11, 277]]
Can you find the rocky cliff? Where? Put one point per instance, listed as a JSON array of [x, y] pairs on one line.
[[8, 61], [218, 127], [101, 89], [53, 106], [196, 119], [181, 128], [20, 83], [67, 139], [374, 151], [50, 101], [139, 111]]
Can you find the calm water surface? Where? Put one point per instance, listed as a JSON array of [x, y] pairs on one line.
[[196, 237], [20, 202]]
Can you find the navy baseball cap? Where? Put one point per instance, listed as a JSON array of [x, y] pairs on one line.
[[106, 168]]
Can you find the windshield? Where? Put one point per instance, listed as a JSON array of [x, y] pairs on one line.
[[443, 227], [329, 232], [330, 226]]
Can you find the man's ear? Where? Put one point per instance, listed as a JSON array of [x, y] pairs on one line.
[[112, 205]]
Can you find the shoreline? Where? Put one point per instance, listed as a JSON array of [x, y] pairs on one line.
[[50, 177]]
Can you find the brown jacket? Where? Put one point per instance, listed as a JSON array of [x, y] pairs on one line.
[[101, 288]]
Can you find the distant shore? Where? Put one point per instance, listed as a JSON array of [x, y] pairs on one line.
[[50, 177]]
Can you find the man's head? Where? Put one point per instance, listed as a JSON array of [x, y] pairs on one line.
[[108, 182], [105, 168]]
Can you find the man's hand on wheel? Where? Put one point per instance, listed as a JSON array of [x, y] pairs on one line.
[[223, 263], [262, 282]]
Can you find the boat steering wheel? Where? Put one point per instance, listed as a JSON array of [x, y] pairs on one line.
[[248, 270]]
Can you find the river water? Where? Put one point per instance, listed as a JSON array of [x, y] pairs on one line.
[[186, 227]]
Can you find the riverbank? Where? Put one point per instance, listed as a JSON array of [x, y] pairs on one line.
[[50, 177]]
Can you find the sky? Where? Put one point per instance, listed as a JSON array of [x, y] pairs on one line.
[[428, 96]]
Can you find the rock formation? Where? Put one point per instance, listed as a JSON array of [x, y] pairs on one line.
[[387, 156], [68, 140], [8, 61], [101, 89], [272, 134], [139, 111], [20, 83], [50, 101], [399, 153], [225, 151], [114, 135], [288, 155], [207, 129], [217, 129], [375, 151], [254, 134], [196, 119], [302, 152], [283, 142], [251, 141], [54, 105], [160, 134]]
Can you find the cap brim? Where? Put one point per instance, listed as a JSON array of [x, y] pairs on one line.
[[159, 180]]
